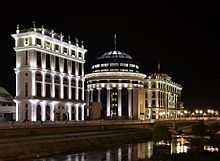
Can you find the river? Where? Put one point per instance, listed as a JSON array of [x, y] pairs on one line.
[[139, 151]]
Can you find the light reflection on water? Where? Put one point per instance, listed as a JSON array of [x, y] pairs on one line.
[[130, 152]]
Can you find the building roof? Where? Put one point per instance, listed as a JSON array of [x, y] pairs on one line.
[[115, 54], [5, 96]]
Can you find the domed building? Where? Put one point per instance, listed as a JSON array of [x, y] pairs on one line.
[[115, 81]]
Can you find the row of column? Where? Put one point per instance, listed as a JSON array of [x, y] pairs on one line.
[[108, 104], [53, 86], [161, 101]]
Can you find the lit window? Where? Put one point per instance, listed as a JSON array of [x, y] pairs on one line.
[[26, 42], [114, 64], [123, 64], [104, 65], [38, 42], [47, 45], [132, 65], [97, 65]]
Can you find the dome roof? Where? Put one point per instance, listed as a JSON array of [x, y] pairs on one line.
[[115, 54]]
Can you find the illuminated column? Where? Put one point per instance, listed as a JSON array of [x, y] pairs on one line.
[[77, 112], [43, 85], [61, 86], [17, 111], [82, 109], [119, 102], [82, 69], [87, 102], [119, 154], [53, 87], [83, 86], [70, 112], [33, 40], [99, 95], [52, 111], [129, 152], [43, 112], [33, 111], [108, 156], [33, 83], [91, 95], [17, 93], [108, 101], [69, 86], [129, 102], [157, 98], [77, 90]]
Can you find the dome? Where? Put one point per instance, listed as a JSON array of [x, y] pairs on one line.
[[114, 54]]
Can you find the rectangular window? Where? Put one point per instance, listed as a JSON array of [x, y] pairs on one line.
[[65, 51], [123, 64], [26, 42], [73, 68], [65, 65], [104, 65], [26, 57], [73, 53], [57, 64], [26, 89], [39, 59], [56, 48], [47, 61], [114, 64], [47, 45], [38, 42]]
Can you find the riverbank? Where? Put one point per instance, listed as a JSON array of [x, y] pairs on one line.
[[18, 148]]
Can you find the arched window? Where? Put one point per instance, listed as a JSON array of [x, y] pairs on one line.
[[57, 87], [73, 113], [47, 84], [79, 113], [47, 112], [38, 84], [65, 86], [38, 112]]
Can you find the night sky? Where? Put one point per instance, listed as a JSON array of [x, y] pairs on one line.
[[184, 38]]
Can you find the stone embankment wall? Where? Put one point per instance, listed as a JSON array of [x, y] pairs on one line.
[[33, 140]]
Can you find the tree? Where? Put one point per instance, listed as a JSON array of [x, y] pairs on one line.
[[161, 133]]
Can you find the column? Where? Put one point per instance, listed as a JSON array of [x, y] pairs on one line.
[[129, 102], [43, 92], [17, 111], [87, 103], [43, 112], [83, 88], [119, 102], [108, 156], [52, 110], [119, 154], [33, 111], [33, 83], [61, 86], [157, 98], [129, 152], [77, 90], [77, 112], [70, 112], [53, 86], [108, 102], [82, 69], [69, 88], [91, 95], [99, 95], [82, 109], [16, 72]]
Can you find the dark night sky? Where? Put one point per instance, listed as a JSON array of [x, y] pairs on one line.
[[184, 38]]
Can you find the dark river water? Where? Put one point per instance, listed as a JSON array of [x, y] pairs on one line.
[[138, 151]]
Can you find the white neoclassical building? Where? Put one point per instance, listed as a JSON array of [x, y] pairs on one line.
[[115, 81], [163, 97], [49, 76]]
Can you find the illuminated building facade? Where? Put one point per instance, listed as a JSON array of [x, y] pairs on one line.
[[7, 106], [115, 81], [163, 97], [49, 76]]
